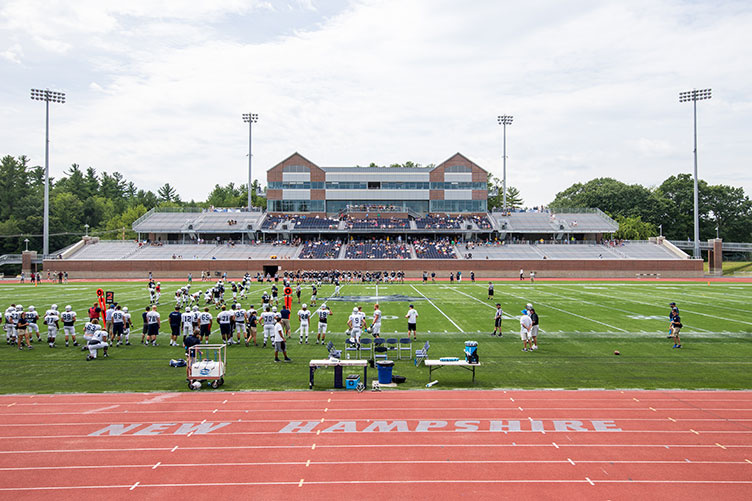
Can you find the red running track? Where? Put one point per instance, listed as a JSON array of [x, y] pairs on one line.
[[401, 444]]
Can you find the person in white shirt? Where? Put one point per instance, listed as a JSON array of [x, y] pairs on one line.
[[153, 320], [204, 324], [324, 313], [51, 320], [225, 318], [127, 326], [117, 322], [267, 318], [376, 323], [412, 322], [526, 327], [240, 316], [304, 314], [186, 320], [10, 329], [94, 336], [31, 317], [279, 340], [69, 324], [355, 323]]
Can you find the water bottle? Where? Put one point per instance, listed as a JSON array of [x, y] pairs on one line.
[[348, 356]]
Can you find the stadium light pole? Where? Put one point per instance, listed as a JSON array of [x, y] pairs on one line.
[[504, 120], [694, 96], [56, 97], [250, 119]]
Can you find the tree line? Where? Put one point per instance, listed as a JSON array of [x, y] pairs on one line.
[[107, 203], [668, 208]]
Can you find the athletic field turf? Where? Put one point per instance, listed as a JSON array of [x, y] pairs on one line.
[[582, 324]]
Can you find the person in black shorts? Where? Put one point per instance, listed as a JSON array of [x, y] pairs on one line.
[[146, 324], [174, 319], [490, 290]]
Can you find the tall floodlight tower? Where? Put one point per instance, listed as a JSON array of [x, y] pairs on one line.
[[504, 120], [694, 96], [56, 97], [250, 119]]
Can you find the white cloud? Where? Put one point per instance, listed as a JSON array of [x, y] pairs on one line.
[[593, 87], [13, 53]]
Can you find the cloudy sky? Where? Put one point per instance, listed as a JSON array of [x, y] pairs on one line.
[[156, 88]]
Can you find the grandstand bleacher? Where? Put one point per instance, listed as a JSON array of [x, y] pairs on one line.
[[377, 250], [434, 249], [321, 249]]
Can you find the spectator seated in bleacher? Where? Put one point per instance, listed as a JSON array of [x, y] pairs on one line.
[[377, 249], [323, 223], [383, 223], [321, 249], [434, 249], [439, 222], [482, 222]]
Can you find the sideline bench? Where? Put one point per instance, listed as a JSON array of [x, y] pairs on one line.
[[434, 365]]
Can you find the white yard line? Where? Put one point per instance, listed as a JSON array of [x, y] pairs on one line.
[[567, 312], [439, 309], [486, 304]]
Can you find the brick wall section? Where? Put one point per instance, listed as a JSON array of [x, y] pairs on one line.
[[553, 268]]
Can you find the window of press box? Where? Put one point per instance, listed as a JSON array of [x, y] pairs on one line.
[[374, 185]]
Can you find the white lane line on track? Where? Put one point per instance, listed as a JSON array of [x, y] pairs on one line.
[[380, 481], [375, 462], [437, 308], [92, 411], [134, 486]]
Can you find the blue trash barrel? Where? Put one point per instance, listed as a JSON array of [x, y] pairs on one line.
[[385, 371]]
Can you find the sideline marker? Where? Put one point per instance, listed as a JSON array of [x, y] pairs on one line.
[[432, 383]]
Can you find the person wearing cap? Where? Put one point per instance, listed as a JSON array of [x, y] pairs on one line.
[[526, 326], [412, 322], [174, 319], [497, 320], [676, 326]]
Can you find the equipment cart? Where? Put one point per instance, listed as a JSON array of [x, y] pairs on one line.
[[206, 363]]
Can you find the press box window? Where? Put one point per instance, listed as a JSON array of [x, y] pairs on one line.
[[374, 185]]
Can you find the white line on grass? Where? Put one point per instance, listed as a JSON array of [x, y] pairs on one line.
[[483, 303], [567, 312], [439, 309]]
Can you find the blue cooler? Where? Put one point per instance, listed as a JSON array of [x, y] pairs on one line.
[[352, 381], [385, 371], [471, 352]]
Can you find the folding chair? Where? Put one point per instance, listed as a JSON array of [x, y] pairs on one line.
[[380, 352], [405, 344], [391, 345], [421, 354], [379, 341], [365, 347], [352, 347], [333, 353]]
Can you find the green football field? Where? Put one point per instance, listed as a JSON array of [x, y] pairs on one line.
[[582, 324]]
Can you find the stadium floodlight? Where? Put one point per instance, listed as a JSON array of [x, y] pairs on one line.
[[504, 120], [694, 96], [250, 119], [48, 96]]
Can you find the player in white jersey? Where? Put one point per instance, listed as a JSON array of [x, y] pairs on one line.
[[94, 336], [118, 325], [186, 321], [179, 298], [51, 321], [304, 314], [355, 323], [153, 320], [32, 317], [69, 324], [337, 289], [362, 318], [240, 316], [204, 324], [196, 314], [224, 319], [324, 313], [10, 328], [376, 322], [267, 318], [412, 322], [127, 326]]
